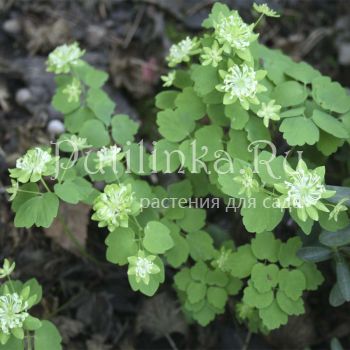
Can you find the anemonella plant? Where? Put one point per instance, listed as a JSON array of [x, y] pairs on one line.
[[224, 92]]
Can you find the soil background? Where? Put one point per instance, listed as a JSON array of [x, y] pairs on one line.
[[87, 298]]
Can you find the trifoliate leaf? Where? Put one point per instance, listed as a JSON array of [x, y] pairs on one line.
[[288, 252], [39, 211], [313, 276], [272, 316], [47, 337], [166, 99], [193, 220], [299, 131], [329, 124], [289, 93], [205, 79], [196, 291], [264, 277], [95, 133], [123, 129], [254, 298], [100, 103], [121, 244], [292, 283], [289, 306], [217, 297], [175, 125], [201, 245], [157, 238], [242, 261], [265, 246], [191, 104], [182, 279]]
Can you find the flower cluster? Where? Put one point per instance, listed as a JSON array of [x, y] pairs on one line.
[[269, 111], [304, 191], [265, 10], [182, 51], [232, 33], [33, 165], [107, 156], [13, 312], [142, 267], [114, 206], [168, 79], [7, 269], [212, 55], [241, 82], [63, 58]]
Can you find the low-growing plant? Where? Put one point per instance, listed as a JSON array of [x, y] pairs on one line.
[[230, 111]]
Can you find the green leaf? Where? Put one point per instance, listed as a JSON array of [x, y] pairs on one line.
[[95, 133], [264, 277], [242, 261], [199, 271], [137, 159], [205, 79], [76, 119], [289, 306], [201, 245], [193, 220], [157, 238], [165, 157], [182, 279], [99, 102], [272, 316], [121, 244], [289, 93], [39, 211], [36, 291], [288, 252], [217, 297], [22, 197], [328, 144], [60, 101], [315, 254], [73, 191], [343, 278], [123, 129], [204, 316], [217, 115], [209, 142], [335, 239], [265, 246], [180, 189], [299, 131], [336, 297], [47, 337], [293, 283], [329, 124], [238, 116], [175, 125], [336, 345], [90, 76], [217, 277], [302, 72], [191, 104], [254, 298], [313, 276], [166, 99], [32, 323], [196, 291]]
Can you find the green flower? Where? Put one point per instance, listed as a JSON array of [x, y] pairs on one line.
[[304, 191], [78, 143], [33, 165], [246, 179], [13, 312], [63, 58], [107, 156], [232, 33], [73, 90], [340, 207], [269, 111], [13, 190], [168, 79], [142, 267], [182, 51], [212, 55], [7, 269], [114, 206], [265, 10], [221, 261], [242, 83]]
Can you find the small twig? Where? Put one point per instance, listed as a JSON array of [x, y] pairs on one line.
[[247, 341], [134, 27], [171, 342]]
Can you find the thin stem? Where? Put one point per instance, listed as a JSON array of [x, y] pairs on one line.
[[45, 184], [171, 342], [259, 19], [66, 168], [29, 341], [10, 282], [32, 192], [247, 341]]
